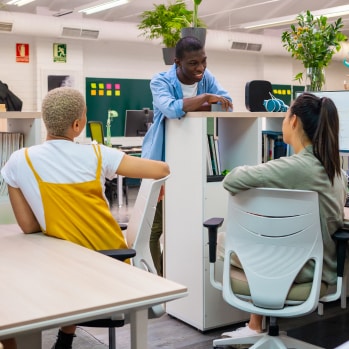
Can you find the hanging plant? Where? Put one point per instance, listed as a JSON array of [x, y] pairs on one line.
[[165, 22]]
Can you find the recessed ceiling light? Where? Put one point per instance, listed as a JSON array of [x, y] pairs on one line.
[[272, 22], [103, 6], [19, 2]]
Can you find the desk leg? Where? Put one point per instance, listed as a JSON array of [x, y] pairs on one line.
[[120, 191], [29, 340], [139, 329]]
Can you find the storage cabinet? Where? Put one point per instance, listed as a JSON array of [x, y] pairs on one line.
[[28, 123], [190, 200]]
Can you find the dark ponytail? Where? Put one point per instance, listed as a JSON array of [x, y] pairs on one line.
[[320, 121]]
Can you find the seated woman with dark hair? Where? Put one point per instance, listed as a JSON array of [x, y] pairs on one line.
[[311, 127]]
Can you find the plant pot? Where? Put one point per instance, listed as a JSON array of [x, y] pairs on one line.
[[198, 32], [169, 54], [315, 79]]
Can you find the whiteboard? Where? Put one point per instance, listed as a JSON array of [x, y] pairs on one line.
[[341, 100]]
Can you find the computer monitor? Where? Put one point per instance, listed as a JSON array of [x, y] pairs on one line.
[[137, 122]]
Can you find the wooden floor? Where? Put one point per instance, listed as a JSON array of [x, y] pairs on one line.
[[328, 331]]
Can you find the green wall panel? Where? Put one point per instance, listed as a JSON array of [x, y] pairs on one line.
[[116, 94]]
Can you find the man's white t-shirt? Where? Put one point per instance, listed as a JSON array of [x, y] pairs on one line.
[[189, 90]]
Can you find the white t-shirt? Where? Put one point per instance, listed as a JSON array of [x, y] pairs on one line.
[[189, 90], [57, 161]]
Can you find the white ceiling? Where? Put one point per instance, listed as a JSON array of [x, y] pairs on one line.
[[227, 15]]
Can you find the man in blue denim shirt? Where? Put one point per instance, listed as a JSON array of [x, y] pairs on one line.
[[187, 86]]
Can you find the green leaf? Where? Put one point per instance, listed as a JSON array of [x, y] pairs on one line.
[[313, 41]]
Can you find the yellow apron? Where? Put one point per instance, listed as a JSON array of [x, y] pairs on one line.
[[77, 212]]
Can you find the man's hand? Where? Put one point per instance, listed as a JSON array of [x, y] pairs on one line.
[[203, 102], [226, 103]]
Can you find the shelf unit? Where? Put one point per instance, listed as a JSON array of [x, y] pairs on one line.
[[190, 199], [29, 124]]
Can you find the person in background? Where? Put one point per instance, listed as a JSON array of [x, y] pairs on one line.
[[311, 127], [187, 86], [58, 187]]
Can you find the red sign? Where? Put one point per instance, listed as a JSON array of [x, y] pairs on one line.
[[22, 53]]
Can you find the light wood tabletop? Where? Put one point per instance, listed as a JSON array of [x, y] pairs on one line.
[[47, 282]]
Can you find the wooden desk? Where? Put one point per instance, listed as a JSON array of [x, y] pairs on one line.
[[47, 282]]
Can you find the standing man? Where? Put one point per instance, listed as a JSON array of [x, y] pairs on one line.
[[187, 86]]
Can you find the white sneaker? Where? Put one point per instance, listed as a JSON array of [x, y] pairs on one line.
[[241, 332]]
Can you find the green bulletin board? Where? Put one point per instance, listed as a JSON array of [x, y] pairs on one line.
[[115, 94], [287, 93]]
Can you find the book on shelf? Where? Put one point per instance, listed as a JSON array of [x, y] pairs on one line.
[[273, 146], [213, 154], [216, 144], [213, 163], [208, 160]]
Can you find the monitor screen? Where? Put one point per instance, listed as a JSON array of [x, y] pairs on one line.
[[137, 122]]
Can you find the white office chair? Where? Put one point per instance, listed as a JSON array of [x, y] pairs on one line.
[[339, 291], [137, 234], [274, 232]]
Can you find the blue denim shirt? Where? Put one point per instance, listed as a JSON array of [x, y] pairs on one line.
[[168, 103]]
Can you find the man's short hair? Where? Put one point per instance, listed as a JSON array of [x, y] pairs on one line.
[[60, 108], [187, 44]]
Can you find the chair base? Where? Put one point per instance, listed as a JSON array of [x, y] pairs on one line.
[[264, 341]]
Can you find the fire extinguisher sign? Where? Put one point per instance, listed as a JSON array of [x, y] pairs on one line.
[[22, 53]]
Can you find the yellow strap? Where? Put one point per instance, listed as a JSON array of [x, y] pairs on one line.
[[38, 178]]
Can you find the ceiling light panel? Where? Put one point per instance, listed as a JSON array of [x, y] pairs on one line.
[[103, 6], [19, 2], [274, 22]]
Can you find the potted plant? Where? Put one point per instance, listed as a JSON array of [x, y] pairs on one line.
[[198, 27], [313, 42], [165, 22]]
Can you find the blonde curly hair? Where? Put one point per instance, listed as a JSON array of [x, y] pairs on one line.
[[60, 108]]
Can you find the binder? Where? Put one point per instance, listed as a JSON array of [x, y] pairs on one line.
[[273, 146]]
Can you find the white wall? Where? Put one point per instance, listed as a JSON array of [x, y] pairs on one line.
[[93, 58]]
